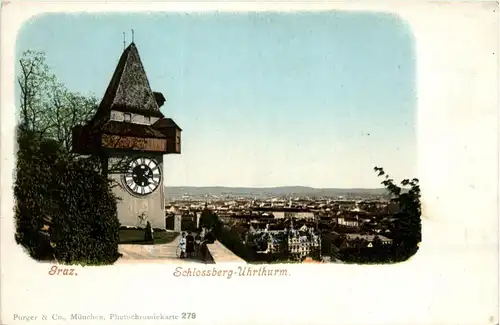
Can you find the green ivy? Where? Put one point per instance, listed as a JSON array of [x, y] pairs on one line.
[[51, 187]]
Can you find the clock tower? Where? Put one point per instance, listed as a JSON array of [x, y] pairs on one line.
[[130, 135]]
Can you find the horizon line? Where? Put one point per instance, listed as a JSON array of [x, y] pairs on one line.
[[280, 186]]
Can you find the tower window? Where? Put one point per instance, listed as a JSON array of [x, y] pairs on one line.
[[127, 117]]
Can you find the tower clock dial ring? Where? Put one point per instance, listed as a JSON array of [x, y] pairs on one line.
[[142, 176]]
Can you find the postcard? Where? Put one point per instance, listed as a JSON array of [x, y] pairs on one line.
[[250, 163]]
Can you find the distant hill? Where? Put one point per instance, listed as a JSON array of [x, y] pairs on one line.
[[179, 191]]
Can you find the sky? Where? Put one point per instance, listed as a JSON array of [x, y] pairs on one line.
[[263, 99]]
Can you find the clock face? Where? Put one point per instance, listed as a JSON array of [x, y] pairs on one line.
[[142, 176]]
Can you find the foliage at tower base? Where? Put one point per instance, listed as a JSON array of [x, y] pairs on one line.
[[65, 210]]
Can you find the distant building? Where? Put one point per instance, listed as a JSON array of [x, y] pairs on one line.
[[301, 244], [348, 221], [282, 213], [368, 238]]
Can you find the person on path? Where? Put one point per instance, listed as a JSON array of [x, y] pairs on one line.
[[189, 244], [182, 245]]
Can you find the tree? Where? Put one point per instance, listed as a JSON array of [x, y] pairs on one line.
[[47, 107], [377, 242], [208, 219], [75, 198], [50, 110], [51, 183], [33, 79], [407, 227]]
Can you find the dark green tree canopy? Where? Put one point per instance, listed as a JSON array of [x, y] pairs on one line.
[[65, 208], [47, 107], [208, 219]]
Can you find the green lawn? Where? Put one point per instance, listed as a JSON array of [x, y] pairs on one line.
[[136, 236]]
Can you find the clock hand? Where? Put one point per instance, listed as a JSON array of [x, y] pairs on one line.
[[142, 178]]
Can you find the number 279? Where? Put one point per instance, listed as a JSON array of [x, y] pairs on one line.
[[188, 315]]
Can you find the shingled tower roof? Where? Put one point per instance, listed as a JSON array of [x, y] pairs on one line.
[[129, 90]]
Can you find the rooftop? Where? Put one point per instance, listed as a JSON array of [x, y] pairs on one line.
[[367, 237], [129, 88]]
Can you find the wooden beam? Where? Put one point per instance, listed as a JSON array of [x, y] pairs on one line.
[[133, 143]]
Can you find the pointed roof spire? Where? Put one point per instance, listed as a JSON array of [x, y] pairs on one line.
[[129, 89]]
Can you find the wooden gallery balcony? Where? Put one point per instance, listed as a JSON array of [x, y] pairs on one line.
[[123, 136]]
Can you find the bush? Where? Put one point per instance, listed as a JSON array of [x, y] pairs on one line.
[[209, 219], [78, 201]]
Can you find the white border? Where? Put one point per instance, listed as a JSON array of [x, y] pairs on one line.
[[452, 280]]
